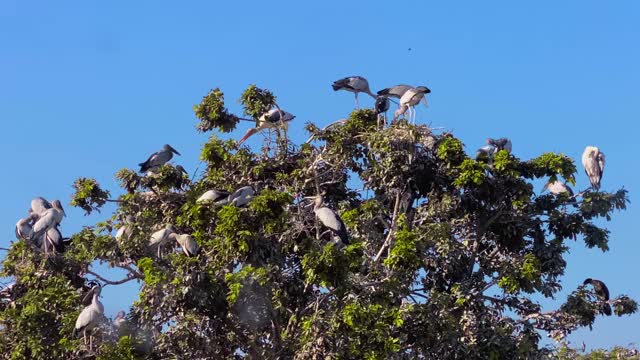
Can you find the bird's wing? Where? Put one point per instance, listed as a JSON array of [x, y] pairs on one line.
[[329, 218], [44, 223], [84, 318], [601, 162], [605, 291], [39, 205], [340, 84]]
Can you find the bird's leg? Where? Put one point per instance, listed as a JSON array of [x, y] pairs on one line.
[[90, 342], [158, 251], [84, 332], [357, 106]]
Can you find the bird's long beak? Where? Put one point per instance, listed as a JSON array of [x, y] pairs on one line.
[[247, 135], [175, 151]]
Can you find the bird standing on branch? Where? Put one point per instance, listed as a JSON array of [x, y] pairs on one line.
[[395, 91], [500, 144], [272, 119], [49, 219], [354, 84], [602, 292], [381, 107], [411, 98], [557, 188], [329, 218], [90, 316], [593, 161], [158, 158]]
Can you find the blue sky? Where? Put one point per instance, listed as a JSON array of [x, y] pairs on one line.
[[87, 88]]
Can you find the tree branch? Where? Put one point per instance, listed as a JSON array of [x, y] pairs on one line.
[[394, 220], [118, 282]]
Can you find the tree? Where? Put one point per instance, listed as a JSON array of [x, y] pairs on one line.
[[445, 252]]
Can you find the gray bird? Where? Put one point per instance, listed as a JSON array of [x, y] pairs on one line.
[[602, 292], [49, 219], [411, 98], [125, 231], [242, 196], [354, 84], [485, 153], [557, 188], [216, 197], [500, 144], [188, 243], [157, 159], [52, 239], [395, 91], [161, 237], [273, 119], [593, 161], [381, 107], [329, 218], [24, 228], [39, 205], [90, 316], [119, 320]]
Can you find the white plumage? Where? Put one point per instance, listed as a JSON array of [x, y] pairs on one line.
[[216, 197], [90, 316], [124, 232], [331, 220], [242, 196], [272, 119], [188, 243], [49, 219], [557, 188], [354, 84], [39, 205], [411, 98], [24, 229], [593, 161], [161, 237]]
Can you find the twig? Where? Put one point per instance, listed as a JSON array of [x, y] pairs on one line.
[[394, 220], [109, 282]]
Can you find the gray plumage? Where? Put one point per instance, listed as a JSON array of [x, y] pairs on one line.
[[485, 153], [125, 230], [382, 105], [119, 320], [272, 119], [91, 315], [354, 84], [49, 219], [39, 205], [24, 227], [329, 218], [593, 161], [557, 188], [188, 243], [216, 197], [158, 159], [395, 91], [411, 98], [242, 196], [161, 237], [602, 292], [500, 144]]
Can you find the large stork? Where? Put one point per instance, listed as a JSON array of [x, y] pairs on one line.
[[330, 218], [272, 119], [158, 158], [411, 98], [354, 84], [602, 292], [593, 161], [90, 316]]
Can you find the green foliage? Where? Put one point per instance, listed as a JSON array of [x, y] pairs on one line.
[[256, 101], [213, 114], [88, 195], [550, 165], [472, 173]]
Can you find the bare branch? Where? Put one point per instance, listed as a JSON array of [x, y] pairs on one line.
[[118, 282]]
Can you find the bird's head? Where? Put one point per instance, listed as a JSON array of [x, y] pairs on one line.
[[168, 147], [58, 206], [587, 281], [96, 288], [120, 315], [423, 89]]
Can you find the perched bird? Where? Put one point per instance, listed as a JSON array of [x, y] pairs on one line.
[[157, 159], [217, 197], [331, 219], [354, 84], [272, 119], [187, 242], [557, 188], [242, 196], [593, 161], [395, 91], [124, 232], [485, 153], [500, 144], [410, 99], [24, 227], [49, 219], [381, 107], [39, 205], [602, 292], [119, 320], [52, 239], [90, 316], [161, 237]]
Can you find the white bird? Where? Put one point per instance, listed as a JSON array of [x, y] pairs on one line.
[[24, 228], [272, 119], [119, 320], [90, 316], [49, 219], [395, 91], [52, 239], [242, 196], [354, 84], [161, 237], [485, 153], [39, 205], [158, 158], [593, 161], [411, 98], [500, 144], [216, 197], [188, 243], [124, 232], [557, 188], [331, 219]]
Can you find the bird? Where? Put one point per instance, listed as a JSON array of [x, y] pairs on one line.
[[188, 243], [272, 119], [485, 153], [557, 188], [242, 196], [602, 292], [90, 316], [395, 91], [124, 232], [24, 227], [158, 159], [329, 218], [411, 98], [52, 239], [381, 107], [119, 320], [354, 84], [217, 197], [500, 144], [49, 219], [593, 161], [161, 237], [39, 205]]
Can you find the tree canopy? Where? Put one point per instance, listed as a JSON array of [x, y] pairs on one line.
[[444, 257]]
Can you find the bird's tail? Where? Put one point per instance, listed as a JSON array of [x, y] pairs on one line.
[[383, 92], [606, 309], [143, 167], [336, 87], [344, 236]]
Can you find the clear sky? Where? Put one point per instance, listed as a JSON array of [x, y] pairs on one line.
[[88, 87]]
